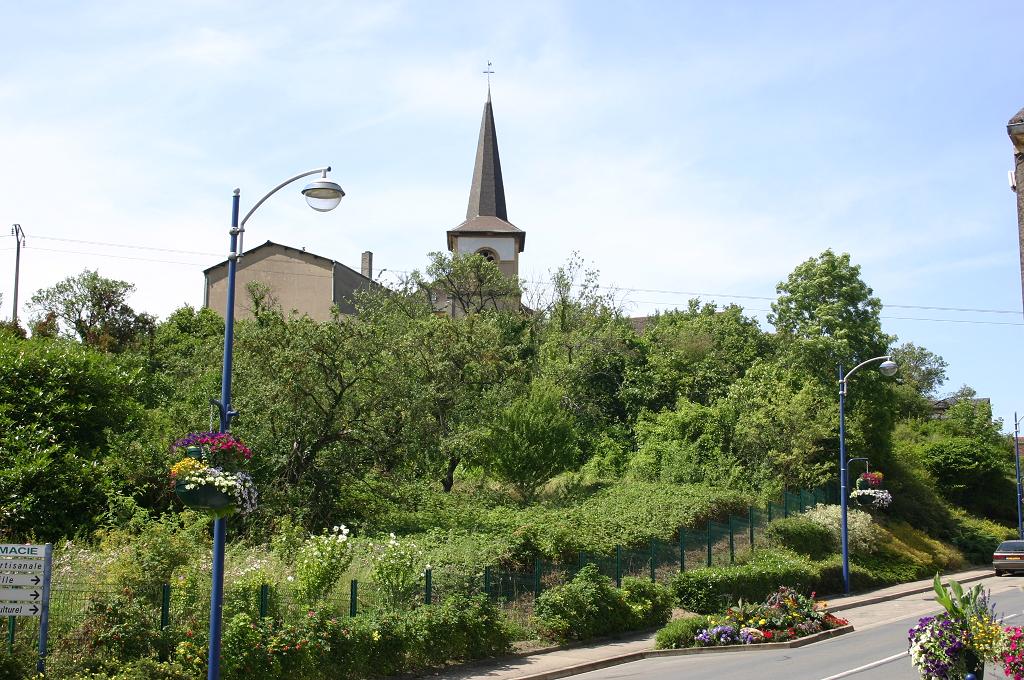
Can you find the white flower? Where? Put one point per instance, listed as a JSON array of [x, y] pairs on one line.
[[291, 578]]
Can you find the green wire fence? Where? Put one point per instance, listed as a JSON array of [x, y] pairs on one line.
[[717, 542]]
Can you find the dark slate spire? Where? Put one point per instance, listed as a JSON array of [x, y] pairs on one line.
[[487, 194]]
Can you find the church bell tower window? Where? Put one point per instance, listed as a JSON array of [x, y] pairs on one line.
[[488, 255]]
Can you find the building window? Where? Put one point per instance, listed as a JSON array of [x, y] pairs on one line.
[[489, 255]]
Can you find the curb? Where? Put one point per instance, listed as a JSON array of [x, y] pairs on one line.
[[598, 664], [875, 599]]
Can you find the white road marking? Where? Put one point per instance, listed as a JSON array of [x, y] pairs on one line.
[[873, 664]]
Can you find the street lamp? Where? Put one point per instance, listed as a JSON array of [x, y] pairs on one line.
[[887, 368], [1016, 460], [322, 195]]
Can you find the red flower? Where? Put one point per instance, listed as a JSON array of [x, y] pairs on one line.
[[767, 635]]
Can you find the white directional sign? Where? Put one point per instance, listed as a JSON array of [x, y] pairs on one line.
[[35, 580], [20, 610], [22, 566], [23, 551], [19, 595], [25, 572]]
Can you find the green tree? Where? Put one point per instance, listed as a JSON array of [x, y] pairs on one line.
[[93, 309], [921, 373], [826, 317], [532, 439], [696, 353], [59, 404], [440, 373]]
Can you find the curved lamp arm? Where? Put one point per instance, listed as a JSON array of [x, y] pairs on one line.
[[241, 226], [886, 357]]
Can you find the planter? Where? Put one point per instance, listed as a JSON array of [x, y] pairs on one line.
[[863, 484], [206, 497], [974, 666]]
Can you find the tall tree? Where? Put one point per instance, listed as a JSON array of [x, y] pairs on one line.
[[826, 317], [93, 309]]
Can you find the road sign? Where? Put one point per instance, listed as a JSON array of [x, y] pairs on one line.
[[23, 551], [22, 566], [34, 579], [19, 595], [20, 610]]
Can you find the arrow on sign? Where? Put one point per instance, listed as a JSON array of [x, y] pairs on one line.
[[18, 610], [20, 580], [16, 595]]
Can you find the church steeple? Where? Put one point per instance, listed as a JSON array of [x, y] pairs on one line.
[[487, 230], [487, 193]]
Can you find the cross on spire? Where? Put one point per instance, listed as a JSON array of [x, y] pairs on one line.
[[489, 71]]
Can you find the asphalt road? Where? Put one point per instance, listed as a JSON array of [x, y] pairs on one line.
[[874, 651]]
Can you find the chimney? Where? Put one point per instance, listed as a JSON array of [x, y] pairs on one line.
[[366, 264]]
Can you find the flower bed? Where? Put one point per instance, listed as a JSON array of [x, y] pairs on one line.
[[784, 615]]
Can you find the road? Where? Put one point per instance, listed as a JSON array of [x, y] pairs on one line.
[[876, 649]]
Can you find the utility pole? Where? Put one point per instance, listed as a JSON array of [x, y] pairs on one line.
[[19, 241]]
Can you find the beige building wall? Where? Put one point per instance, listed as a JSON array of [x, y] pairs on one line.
[[297, 280]]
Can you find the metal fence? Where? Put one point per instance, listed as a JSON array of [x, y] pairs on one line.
[[713, 544]]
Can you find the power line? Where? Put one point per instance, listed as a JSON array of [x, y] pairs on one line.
[[126, 245], [548, 284], [119, 257]]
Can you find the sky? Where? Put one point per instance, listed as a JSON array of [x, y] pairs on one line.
[[683, 149]]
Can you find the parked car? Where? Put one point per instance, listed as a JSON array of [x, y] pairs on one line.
[[1008, 557]]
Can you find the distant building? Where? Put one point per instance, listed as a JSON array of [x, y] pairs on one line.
[[310, 284], [940, 406], [298, 280], [486, 230]]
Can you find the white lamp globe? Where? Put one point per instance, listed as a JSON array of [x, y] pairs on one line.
[[323, 195]]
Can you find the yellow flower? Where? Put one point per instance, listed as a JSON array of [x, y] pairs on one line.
[[185, 467], [762, 622], [376, 635]]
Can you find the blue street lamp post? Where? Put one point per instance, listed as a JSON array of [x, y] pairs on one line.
[[1016, 460], [322, 195], [887, 367]]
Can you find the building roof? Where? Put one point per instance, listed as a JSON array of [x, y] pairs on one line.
[[325, 260], [486, 214]]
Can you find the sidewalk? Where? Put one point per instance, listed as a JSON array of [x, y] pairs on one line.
[[563, 663]]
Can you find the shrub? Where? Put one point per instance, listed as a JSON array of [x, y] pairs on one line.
[[586, 607], [246, 650], [978, 538], [863, 535], [802, 535], [321, 562], [397, 569], [650, 603], [116, 629], [711, 589], [680, 633], [460, 629]]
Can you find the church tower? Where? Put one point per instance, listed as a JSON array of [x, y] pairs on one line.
[[487, 230]]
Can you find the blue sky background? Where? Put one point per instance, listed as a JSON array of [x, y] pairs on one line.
[[682, 146]]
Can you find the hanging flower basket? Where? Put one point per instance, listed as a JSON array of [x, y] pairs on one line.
[[872, 499], [204, 497], [209, 477], [870, 480]]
